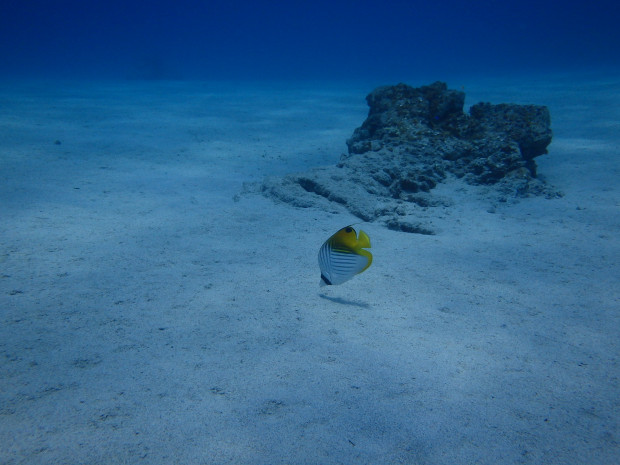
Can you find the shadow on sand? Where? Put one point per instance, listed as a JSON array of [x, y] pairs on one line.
[[340, 300]]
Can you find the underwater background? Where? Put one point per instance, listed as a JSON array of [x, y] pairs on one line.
[[306, 40], [156, 307]]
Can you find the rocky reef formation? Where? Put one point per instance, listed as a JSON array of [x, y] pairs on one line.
[[415, 138]]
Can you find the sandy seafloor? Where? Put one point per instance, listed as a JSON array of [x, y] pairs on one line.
[[151, 314]]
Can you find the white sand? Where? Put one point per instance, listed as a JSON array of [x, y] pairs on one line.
[[150, 316]]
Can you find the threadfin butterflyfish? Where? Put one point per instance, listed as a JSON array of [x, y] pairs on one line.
[[342, 256]]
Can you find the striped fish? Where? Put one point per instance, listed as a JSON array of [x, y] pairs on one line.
[[342, 256]]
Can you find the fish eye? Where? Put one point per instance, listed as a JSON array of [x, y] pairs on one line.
[[348, 229]]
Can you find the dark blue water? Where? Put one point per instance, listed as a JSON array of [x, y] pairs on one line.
[[232, 39]]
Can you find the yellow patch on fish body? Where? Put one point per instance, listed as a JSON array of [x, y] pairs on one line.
[[342, 256]]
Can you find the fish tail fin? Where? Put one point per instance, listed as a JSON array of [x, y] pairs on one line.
[[363, 240]]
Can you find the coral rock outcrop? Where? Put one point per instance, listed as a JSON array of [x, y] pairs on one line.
[[415, 138]]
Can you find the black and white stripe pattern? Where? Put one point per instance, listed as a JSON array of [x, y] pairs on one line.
[[339, 264]]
